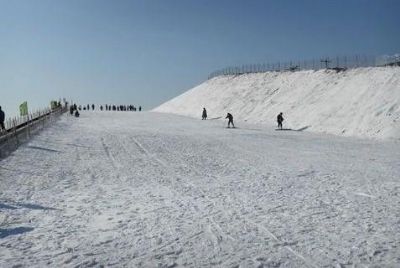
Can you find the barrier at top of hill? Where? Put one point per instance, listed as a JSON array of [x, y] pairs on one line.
[[338, 63], [362, 102]]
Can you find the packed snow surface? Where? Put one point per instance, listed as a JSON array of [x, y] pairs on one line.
[[121, 189], [362, 102]]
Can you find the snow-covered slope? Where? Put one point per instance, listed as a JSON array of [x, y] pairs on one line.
[[121, 189], [363, 102]]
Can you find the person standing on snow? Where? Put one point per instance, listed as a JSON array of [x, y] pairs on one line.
[[2, 118], [204, 116], [279, 119], [230, 120]]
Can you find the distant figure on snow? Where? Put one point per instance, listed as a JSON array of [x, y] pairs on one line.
[[2, 118], [230, 120], [204, 116], [93, 107], [76, 113], [140, 108], [279, 119]]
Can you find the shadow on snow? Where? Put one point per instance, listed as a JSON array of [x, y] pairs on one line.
[[16, 205], [14, 231]]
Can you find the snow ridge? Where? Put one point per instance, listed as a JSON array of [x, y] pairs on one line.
[[362, 102]]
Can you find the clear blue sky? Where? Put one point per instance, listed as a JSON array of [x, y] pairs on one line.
[[146, 52]]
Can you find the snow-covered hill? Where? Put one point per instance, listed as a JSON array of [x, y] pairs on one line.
[[363, 102]]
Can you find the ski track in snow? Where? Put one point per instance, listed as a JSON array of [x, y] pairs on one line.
[[126, 189]]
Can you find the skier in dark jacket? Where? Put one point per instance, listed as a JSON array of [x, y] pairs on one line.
[[279, 119], [204, 116], [2, 118], [230, 120]]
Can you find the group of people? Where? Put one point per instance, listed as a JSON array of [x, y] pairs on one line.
[[108, 107], [74, 109], [229, 116], [120, 108]]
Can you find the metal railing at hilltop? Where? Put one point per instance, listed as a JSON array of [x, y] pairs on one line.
[[338, 63]]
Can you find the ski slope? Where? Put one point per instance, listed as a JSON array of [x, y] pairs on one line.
[[120, 189], [362, 102]]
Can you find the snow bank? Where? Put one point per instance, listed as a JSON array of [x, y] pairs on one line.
[[363, 102]]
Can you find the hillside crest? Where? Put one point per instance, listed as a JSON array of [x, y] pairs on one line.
[[362, 102]]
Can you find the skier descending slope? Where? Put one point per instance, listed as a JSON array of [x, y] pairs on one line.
[[230, 120], [204, 115], [279, 119]]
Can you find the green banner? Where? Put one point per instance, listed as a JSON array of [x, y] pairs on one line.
[[23, 108]]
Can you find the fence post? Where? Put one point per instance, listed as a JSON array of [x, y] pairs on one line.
[[15, 131], [28, 126]]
